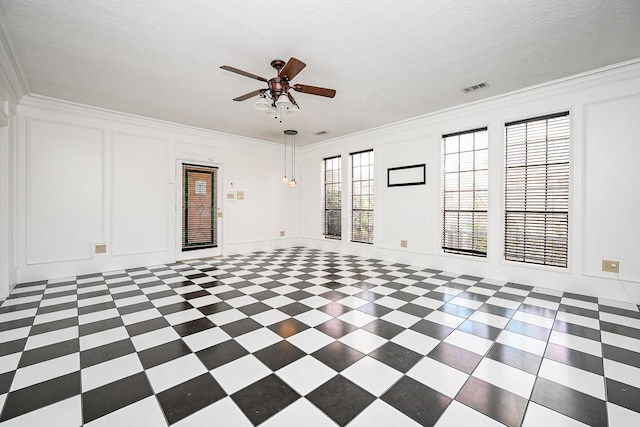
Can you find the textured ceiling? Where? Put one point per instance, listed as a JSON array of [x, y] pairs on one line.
[[388, 60]]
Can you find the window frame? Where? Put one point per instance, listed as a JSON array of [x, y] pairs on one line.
[[327, 212], [362, 234], [454, 240], [547, 242]]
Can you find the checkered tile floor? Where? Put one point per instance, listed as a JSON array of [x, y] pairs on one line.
[[304, 337]]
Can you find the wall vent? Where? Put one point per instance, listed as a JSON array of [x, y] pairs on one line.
[[322, 132], [475, 87]]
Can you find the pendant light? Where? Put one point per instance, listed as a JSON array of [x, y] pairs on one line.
[[289, 132], [285, 180]]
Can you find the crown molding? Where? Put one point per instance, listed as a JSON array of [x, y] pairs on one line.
[[13, 82]]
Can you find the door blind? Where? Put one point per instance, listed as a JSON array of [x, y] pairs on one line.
[[537, 190], [199, 204]]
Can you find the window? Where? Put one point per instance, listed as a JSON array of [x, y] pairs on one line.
[[333, 198], [362, 197], [537, 190], [464, 192]]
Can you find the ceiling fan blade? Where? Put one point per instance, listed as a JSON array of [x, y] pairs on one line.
[[291, 69], [243, 73], [249, 95], [314, 90]]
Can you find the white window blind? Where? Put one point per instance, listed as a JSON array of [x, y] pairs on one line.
[[362, 197], [332, 212], [464, 191], [537, 190]]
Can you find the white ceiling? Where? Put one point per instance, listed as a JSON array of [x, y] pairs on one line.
[[388, 60]]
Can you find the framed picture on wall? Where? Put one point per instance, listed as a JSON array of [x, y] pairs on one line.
[[406, 175]]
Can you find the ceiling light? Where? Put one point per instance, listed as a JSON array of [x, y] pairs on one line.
[[263, 104], [283, 102], [292, 182]]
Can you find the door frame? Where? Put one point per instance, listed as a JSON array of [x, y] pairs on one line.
[[197, 253]]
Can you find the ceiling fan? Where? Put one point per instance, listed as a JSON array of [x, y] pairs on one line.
[[277, 96]]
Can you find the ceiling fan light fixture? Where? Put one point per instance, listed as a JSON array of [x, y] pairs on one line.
[[272, 111], [285, 180], [262, 103], [283, 102]]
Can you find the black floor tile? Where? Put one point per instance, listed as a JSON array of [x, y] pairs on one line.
[[113, 396], [11, 347], [264, 398], [575, 358], [511, 356], [34, 397], [417, 401], [456, 310], [537, 310], [48, 352], [416, 310], [628, 357], [529, 330], [193, 326], [54, 326], [102, 325], [579, 311], [278, 355], [338, 356], [482, 397], [434, 330], [498, 311], [184, 399], [570, 402], [255, 308], [480, 329], [396, 356], [294, 309], [241, 327], [162, 353], [147, 326], [456, 357], [340, 399], [220, 354], [383, 329], [577, 330], [374, 309], [106, 352], [288, 327], [620, 330], [336, 328], [217, 307], [5, 381], [623, 395], [335, 309]]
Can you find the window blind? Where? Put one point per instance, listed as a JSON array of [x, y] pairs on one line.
[[464, 191], [332, 221], [537, 152], [362, 197]]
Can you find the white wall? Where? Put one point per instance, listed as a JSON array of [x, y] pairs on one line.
[[605, 201], [88, 176]]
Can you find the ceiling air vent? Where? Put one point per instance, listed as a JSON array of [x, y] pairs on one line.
[[475, 87], [322, 132]]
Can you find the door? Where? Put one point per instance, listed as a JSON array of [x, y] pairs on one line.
[[200, 230]]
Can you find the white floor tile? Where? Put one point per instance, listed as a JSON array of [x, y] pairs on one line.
[[489, 319], [224, 412], [227, 316], [205, 339], [62, 414], [44, 371], [363, 341], [579, 303], [533, 319], [401, 318], [458, 414], [622, 417], [445, 319], [620, 372], [358, 318], [577, 379], [177, 371], [469, 342], [415, 341], [438, 376], [427, 302], [269, 317], [144, 412], [313, 317], [522, 342], [310, 340], [9, 362], [506, 377], [381, 414], [372, 375], [98, 316], [540, 416], [240, 373], [103, 337], [52, 337], [588, 322], [141, 316], [541, 303], [107, 372], [258, 339], [301, 412], [577, 343], [154, 338], [306, 374], [620, 320], [183, 316]]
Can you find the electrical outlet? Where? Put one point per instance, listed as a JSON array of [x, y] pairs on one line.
[[610, 266], [282, 233], [100, 249], [403, 243]]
